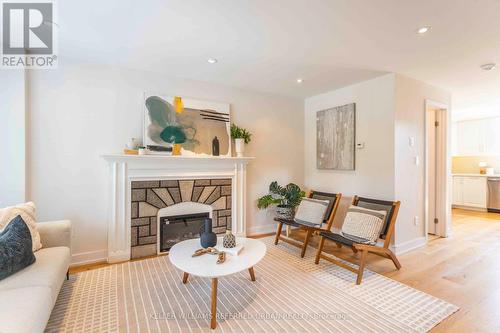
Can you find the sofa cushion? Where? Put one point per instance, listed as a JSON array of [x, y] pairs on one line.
[[25, 310], [49, 270], [27, 212], [16, 252]]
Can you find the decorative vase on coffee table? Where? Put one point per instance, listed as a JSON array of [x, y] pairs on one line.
[[207, 237], [229, 240]]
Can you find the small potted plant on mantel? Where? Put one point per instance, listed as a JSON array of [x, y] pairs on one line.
[[286, 198], [241, 137]]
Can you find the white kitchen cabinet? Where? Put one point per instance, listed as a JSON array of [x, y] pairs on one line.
[[476, 137], [470, 191], [458, 197]]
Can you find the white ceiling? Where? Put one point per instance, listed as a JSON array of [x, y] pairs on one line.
[[264, 45]]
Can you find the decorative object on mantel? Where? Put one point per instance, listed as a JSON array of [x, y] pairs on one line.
[[133, 143], [335, 138], [179, 107], [131, 151], [215, 147], [142, 150], [286, 198], [193, 124], [229, 240], [208, 238], [241, 137]]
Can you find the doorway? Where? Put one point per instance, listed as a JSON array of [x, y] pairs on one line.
[[437, 170]]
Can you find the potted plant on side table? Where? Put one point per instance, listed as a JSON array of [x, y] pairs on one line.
[[287, 198], [241, 137]]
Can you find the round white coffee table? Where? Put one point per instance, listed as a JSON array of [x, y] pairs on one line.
[[205, 265]]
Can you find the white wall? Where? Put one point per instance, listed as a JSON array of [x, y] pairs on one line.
[[12, 137], [374, 174], [410, 178], [81, 111], [389, 110]]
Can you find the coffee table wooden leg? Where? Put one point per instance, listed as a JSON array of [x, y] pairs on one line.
[[185, 278], [213, 322], [252, 273]]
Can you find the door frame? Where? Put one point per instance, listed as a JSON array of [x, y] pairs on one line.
[[443, 168]]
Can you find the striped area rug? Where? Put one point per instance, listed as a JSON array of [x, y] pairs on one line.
[[290, 295]]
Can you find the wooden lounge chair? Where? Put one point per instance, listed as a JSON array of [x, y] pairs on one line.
[[392, 208], [327, 221]]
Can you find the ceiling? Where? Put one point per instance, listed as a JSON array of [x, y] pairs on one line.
[[265, 45]]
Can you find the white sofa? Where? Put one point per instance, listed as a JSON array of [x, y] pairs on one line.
[[27, 297]]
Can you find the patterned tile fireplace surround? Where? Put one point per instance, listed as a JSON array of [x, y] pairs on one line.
[[141, 189], [148, 197]]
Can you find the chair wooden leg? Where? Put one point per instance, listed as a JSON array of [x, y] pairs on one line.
[[361, 266], [185, 277], [306, 242], [278, 233], [395, 260], [320, 248]]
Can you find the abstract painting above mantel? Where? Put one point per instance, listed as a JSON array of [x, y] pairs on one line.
[[200, 126], [335, 138]]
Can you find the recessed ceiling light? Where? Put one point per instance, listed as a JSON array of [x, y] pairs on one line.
[[423, 30], [299, 80], [212, 60], [488, 67]]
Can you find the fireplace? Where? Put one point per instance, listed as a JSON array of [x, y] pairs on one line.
[[180, 222], [154, 202], [141, 185], [175, 229]]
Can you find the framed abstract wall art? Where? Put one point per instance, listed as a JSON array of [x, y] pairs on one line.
[[197, 127], [335, 138]]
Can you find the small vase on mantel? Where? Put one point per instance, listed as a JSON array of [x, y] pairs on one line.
[[239, 147], [208, 238]]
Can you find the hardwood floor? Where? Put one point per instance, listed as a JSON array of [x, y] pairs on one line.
[[463, 269]]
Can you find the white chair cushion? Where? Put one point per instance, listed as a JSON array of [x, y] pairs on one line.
[[27, 212], [25, 310], [311, 212], [363, 225]]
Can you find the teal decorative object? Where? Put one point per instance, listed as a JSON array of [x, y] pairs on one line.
[[173, 134], [229, 240]]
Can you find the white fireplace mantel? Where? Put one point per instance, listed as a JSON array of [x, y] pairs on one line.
[[123, 169]]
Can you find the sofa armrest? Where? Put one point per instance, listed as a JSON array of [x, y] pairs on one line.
[[55, 233]]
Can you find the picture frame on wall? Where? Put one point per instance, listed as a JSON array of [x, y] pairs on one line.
[[335, 138], [202, 128]]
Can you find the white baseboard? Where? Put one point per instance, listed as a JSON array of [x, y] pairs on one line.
[[262, 229], [91, 257], [477, 209], [408, 246]]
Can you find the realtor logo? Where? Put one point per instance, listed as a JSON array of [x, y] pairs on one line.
[[28, 35]]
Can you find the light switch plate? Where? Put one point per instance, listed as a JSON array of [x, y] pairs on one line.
[[411, 141]]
